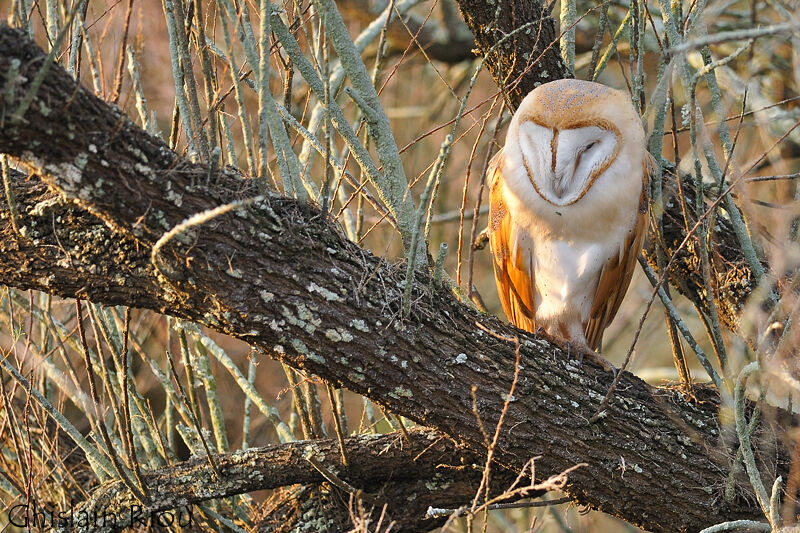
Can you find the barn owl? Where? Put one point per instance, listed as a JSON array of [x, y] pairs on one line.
[[567, 213]]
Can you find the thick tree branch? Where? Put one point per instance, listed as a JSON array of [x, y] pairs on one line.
[[422, 471], [279, 275]]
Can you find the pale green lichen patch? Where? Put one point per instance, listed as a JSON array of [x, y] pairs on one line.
[[400, 391], [437, 483], [161, 219], [461, 359], [356, 376], [338, 335], [174, 197], [312, 451], [69, 176], [304, 313], [301, 348], [359, 325], [144, 170], [327, 294], [266, 296], [138, 154], [305, 319]]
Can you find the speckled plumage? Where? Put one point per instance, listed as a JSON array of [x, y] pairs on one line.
[[567, 212]]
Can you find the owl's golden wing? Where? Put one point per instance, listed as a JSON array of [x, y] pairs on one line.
[[617, 272], [513, 254]]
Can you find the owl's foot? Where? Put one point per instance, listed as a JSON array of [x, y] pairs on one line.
[[600, 360], [581, 350]]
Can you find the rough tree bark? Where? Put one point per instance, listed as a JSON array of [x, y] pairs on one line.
[[280, 276]]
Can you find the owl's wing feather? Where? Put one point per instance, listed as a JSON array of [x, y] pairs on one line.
[[513, 254], [616, 274]]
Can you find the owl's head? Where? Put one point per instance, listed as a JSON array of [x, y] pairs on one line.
[[568, 133]]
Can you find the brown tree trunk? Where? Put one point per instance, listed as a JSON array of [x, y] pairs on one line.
[[520, 43]]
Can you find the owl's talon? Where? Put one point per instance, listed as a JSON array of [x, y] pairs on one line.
[[585, 351], [602, 361]]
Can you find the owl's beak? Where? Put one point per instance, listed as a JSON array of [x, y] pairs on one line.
[[559, 184]]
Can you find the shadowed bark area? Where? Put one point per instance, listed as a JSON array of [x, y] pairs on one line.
[[278, 275]]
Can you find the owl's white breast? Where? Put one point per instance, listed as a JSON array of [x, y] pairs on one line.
[[570, 244]]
